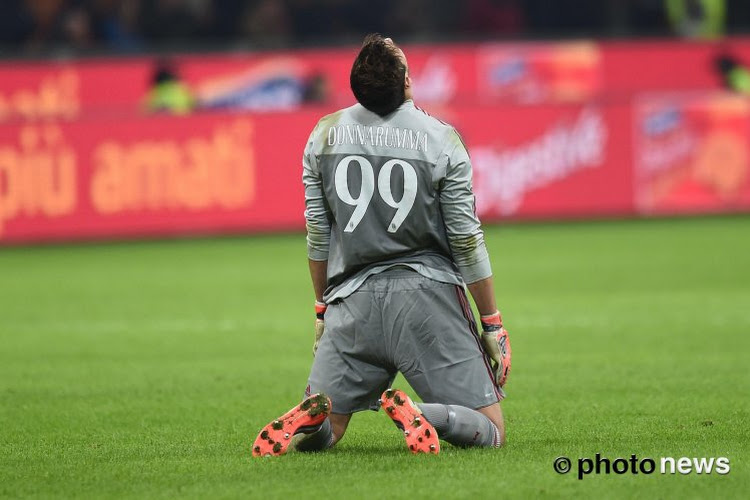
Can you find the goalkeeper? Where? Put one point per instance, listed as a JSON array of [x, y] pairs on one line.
[[393, 241]]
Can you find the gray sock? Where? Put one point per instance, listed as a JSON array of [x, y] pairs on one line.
[[461, 426], [319, 440]]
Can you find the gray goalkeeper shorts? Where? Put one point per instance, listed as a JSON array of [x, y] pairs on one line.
[[400, 321]]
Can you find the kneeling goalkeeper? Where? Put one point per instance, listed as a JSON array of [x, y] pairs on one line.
[[393, 239]]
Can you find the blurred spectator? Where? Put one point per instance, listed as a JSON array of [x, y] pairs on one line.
[[129, 25], [734, 75], [116, 23], [266, 22], [46, 16], [697, 18], [413, 19], [168, 94], [316, 89], [494, 17], [76, 28]]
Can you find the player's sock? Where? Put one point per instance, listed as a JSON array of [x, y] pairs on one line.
[[319, 440], [461, 426]]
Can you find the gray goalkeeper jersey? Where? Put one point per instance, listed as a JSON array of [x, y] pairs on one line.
[[390, 191]]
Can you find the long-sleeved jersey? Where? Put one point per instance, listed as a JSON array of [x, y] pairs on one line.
[[390, 191]]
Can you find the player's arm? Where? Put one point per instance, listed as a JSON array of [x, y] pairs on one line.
[[483, 293], [318, 233], [319, 275], [469, 251], [462, 225]]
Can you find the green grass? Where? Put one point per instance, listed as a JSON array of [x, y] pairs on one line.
[[146, 369]]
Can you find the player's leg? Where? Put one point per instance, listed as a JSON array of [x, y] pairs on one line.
[[325, 436], [465, 427], [438, 351], [422, 424], [339, 423], [346, 366], [495, 414]]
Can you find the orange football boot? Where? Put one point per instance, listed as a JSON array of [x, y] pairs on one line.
[[420, 435], [274, 439]]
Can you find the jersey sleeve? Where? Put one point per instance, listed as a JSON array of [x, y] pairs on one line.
[[317, 217], [457, 203]]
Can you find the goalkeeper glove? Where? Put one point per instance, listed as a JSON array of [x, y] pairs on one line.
[[320, 310], [497, 346]]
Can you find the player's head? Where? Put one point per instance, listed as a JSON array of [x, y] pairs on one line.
[[380, 75]]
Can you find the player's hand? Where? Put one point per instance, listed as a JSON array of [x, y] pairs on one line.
[[320, 310], [497, 346]]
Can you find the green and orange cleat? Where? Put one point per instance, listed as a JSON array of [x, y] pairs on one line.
[[275, 437], [420, 435]]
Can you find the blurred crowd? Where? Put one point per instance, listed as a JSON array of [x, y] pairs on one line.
[[39, 26]]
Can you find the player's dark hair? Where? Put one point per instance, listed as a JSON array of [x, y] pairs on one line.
[[378, 76]]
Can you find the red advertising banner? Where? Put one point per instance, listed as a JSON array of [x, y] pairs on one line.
[[241, 172], [451, 74], [540, 72], [69, 90], [630, 67], [219, 172], [152, 176], [272, 81], [692, 153], [549, 161]]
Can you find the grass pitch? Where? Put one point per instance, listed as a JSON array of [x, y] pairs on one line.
[[146, 369]]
